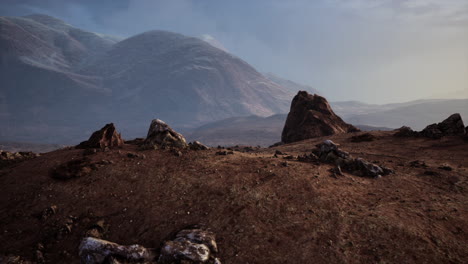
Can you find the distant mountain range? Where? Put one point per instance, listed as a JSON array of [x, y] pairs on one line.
[[59, 83]]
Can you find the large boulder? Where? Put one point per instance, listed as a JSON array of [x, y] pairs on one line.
[[106, 137], [312, 116], [162, 135], [452, 126]]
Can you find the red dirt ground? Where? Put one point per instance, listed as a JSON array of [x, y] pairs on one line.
[[261, 210]]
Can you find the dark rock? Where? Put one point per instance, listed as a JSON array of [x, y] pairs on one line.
[[431, 173], [452, 126], [107, 137], [363, 138], [136, 141], [49, 211], [311, 116], [72, 169], [162, 135], [277, 152], [446, 167], [197, 145], [89, 151], [418, 164], [277, 144], [311, 157], [405, 131]]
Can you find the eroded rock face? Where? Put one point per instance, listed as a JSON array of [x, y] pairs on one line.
[[452, 126], [106, 137], [162, 135], [329, 152], [311, 116]]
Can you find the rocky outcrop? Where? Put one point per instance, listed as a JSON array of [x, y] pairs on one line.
[[330, 152], [452, 126], [106, 137], [161, 135], [311, 116], [7, 158]]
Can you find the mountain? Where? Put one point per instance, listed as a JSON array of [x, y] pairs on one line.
[[59, 82], [183, 80], [416, 114], [42, 97], [244, 130], [290, 86]]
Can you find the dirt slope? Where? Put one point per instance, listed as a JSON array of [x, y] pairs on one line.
[[262, 209]]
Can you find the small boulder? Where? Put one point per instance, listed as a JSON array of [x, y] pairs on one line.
[[107, 137], [405, 131], [162, 135], [197, 145]]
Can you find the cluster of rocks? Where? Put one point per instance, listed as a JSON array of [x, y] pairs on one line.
[[329, 152], [8, 158], [312, 116], [160, 136], [188, 246], [452, 126]]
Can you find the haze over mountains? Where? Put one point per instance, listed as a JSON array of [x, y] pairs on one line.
[[54, 82], [59, 83]]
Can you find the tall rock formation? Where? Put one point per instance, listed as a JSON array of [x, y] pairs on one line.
[[311, 116]]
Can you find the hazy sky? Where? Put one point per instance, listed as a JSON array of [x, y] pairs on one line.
[[376, 51]]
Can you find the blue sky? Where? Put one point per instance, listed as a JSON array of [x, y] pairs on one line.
[[376, 51]]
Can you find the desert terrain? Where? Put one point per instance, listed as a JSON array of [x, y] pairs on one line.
[[263, 208]]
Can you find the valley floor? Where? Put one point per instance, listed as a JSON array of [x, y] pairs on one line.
[[263, 209]]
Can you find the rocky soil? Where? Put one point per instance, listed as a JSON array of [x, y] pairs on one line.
[[263, 204]]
